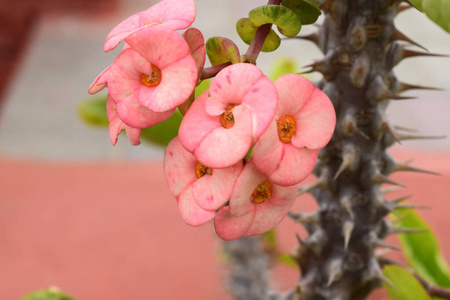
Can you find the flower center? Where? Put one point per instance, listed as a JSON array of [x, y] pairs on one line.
[[201, 170], [262, 192], [154, 79], [286, 128], [227, 118]]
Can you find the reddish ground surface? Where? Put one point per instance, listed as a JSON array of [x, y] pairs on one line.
[[112, 231]]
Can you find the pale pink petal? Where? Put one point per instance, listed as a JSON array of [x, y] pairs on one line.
[[171, 14], [134, 135], [224, 147], [196, 43], [177, 84], [116, 125], [99, 82], [124, 79], [179, 167], [133, 113], [229, 227], [162, 47], [189, 210], [315, 122], [212, 191], [268, 152], [196, 124], [293, 92], [241, 198], [270, 213]]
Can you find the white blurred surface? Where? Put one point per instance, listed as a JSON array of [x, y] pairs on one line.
[[66, 53]]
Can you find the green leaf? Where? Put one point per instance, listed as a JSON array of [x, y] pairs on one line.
[[93, 111], [162, 133], [287, 259], [271, 238], [221, 50], [247, 32], [283, 66], [288, 22], [437, 10], [202, 87], [422, 250], [49, 294], [405, 286], [307, 10]]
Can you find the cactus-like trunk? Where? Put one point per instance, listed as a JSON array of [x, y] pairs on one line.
[[361, 47]]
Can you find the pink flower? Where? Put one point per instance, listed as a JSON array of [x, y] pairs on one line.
[[256, 205], [157, 70], [224, 123], [200, 191], [100, 82], [116, 125], [304, 122], [170, 14]]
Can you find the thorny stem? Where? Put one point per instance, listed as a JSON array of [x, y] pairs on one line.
[[212, 71]]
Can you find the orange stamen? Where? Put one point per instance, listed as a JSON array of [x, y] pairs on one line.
[[262, 192], [154, 79], [286, 128], [227, 118], [201, 170]]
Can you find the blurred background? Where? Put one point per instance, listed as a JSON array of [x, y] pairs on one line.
[[98, 221]]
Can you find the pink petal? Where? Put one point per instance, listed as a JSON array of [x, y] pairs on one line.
[[171, 14], [282, 163], [189, 210], [116, 125], [229, 227], [293, 92], [99, 82], [177, 84], [179, 167], [196, 43], [212, 191], [315, 122], [196, 124], [241, 198], [223, 147]]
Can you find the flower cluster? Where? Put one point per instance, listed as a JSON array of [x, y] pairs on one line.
[[243, 145]]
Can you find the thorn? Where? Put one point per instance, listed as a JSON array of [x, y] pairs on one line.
[[347, 159], [397, 35], [313, 37], [390, 189], [385, 126], [402, 8], [347, 232], [403, 137], [399, 200], [412, 206], [396, 230], [309, 188], [326, 5], [380, 179], [314, 67], [406, 167], [382, 252], [335, 271], [312, 218], [351, 127], [411, 53], [405, 128], [383, 244], [347, 205], [387, 281], [406, 86]]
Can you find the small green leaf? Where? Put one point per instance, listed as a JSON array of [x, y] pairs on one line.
[[221, 50], [271, 238], [247, 32], [283, 66], [202, 87], [437, 10], [162, 133], [405, 286], [93, 111], [307, 10], [49, 294], [422, 250], [287, 259], [288, 22]]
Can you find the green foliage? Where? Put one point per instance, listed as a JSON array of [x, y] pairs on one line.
[[162, 133], [271, 238], [49, 294], [288, 22], [202, 87], [405, 286], [283, 66], [422, 250], [287, 259], [93, 111], [247, 32], [307, 10], [221, 50], [437, 10]]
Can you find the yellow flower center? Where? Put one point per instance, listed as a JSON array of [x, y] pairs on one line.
[[201, 170], [154, 79], [286, 128], [262, 192], [227, 118]]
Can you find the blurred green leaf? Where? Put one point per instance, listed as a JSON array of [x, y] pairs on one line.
[[162, 133], [288, 22], [49, 294], [247, 32], [93, 111], [283, 66], [202, 87], [437, 10], [287, 259], [307, 10], [221, 50], [422, 250], [405, 286], [271, 238]]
